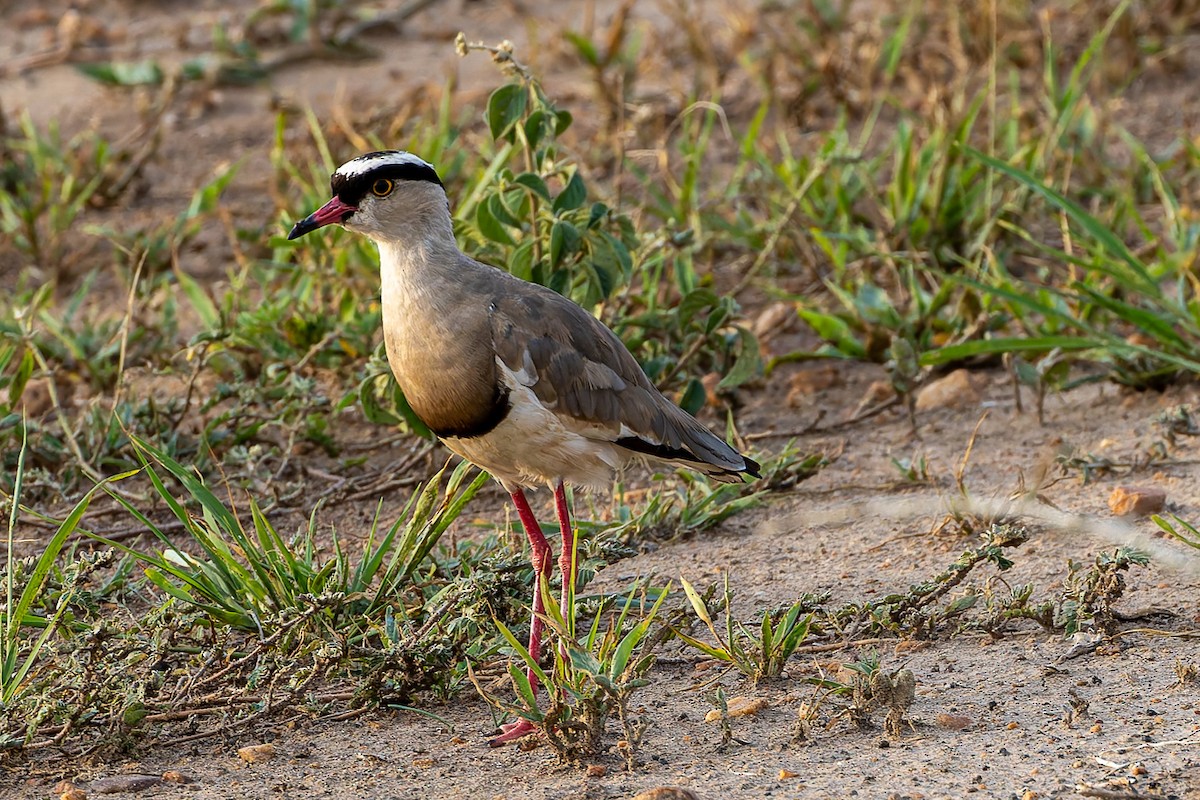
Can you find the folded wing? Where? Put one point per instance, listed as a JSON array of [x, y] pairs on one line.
[[581, 371]]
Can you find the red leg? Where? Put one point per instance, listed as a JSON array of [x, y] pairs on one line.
[[542, 565], [566, 558]]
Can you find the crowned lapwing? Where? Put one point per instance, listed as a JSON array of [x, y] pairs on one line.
[[510, 375]]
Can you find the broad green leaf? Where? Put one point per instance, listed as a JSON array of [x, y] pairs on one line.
[[20, 378], [522, 651], [505, 107], [371, 408], [695, 302], [704, 647], [572, 196], [977, 347], [564, 241], [124, 73], [534, 183], [697, 601], [521, 682], [834, 330], [562, 121], [748, 363], [521, 261], [491, 227], [497, 206], [767, 635], [694, 397]]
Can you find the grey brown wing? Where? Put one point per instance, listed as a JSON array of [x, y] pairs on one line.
[[580, 370]]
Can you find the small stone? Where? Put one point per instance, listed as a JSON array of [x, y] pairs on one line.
[[773, 320], [954, 722], [1139, 500], [423, 763], [810, 381], [124, 783], [69, 791], [956, 390], [255, 753], [666, 793], [175, 776], [878, 392], [738, 707], [784, 774], [596, 770]]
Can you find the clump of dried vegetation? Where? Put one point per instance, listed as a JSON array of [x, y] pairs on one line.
[[930, 185]]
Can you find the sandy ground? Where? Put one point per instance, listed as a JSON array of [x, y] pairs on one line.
[[992, 718], [1008, 718]]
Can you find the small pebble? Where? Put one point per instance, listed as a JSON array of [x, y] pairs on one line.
[[124, 783], [1139, 500], [666, 793], [954, 722], [255, 753]]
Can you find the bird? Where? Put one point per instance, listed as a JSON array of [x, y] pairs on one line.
[[510, 375]]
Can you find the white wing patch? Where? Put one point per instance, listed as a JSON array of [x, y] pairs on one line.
[[533, 446]]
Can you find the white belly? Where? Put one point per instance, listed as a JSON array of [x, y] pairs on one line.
[[535, 447]]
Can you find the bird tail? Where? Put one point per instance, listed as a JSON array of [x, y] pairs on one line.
[[690, 444]]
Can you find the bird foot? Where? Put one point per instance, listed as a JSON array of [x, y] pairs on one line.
[[512, 732]]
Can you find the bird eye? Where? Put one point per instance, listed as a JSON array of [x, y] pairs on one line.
[[382, 187]]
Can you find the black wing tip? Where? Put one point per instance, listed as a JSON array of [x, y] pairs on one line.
[[753, 468], [689, 459]]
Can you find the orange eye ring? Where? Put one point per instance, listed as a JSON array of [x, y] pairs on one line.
[[382, 187]]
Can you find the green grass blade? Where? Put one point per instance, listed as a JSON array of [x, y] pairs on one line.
[[1094, 228], [1006, 344], [523, 652]]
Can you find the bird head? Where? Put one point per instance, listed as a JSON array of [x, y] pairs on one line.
[[378, 195]]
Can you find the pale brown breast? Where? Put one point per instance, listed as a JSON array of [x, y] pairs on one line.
[[446, 366]]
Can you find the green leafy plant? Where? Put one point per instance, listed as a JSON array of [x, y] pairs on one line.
[[592, 678], [867, 687], [529, 212], [537, 221], [255, 579], [46, 184], [1089, 593], [761, 653], [30, 617]]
